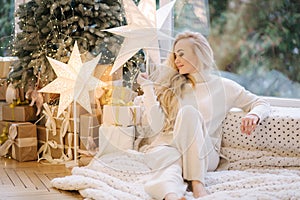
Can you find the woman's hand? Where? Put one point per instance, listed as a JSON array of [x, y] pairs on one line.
[[142, 79], [249, 123]]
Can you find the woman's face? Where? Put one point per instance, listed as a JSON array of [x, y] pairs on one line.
[[185, 57]]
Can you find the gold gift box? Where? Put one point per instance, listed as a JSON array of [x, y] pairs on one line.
[[117, 95]]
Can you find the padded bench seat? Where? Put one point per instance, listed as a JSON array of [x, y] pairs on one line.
[[274, 143]]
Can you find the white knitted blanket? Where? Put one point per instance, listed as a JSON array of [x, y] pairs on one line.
[[122, 176]]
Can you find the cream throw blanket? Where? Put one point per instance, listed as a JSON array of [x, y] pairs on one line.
[[122, 176]]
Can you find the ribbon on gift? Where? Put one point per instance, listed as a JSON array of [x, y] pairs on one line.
[[116, 95], [12, 141], [65, 123], [12, 106], [45, 149], [65, 118], [69, 155], [63, 131], [117, 103], [50, 121], [133, 115], [88, 141]]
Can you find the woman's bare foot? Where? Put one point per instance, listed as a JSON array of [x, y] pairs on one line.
[[198, 189], [173, 196]]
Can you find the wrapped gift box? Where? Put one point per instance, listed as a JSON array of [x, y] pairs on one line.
[[60, 121], [115, 138], [23, 143], [3, 88], [89, 132], [2, 103], [121, 115], [50, 113], [117, 95], [22, 113], [5, 63], [47, 139]]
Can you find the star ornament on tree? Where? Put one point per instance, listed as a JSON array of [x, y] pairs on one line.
[[74, 81], [143, 31]]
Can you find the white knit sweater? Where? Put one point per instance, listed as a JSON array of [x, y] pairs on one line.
[[213, 96]]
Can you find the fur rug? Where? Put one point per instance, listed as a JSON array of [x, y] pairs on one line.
[[122, 176]]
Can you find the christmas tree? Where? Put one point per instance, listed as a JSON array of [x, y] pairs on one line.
[[50, 28]]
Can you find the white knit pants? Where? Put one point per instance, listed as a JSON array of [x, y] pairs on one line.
[[188, 157]]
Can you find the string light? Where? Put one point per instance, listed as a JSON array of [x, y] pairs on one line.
[[59, 39]]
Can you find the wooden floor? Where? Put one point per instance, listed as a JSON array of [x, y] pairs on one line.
[[31, 180]]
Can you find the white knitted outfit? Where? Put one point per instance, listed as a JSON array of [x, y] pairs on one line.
[[191, 149]]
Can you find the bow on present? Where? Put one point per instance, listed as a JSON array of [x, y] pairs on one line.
[[69, 155], [50, 121], [64, 131], [12, 141], [66, 122], [45, 149], [51, 129]]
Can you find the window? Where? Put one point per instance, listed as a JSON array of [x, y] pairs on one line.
[[256, 43], [6, 21]]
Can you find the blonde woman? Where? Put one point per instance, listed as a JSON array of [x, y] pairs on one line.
[[185, 104]]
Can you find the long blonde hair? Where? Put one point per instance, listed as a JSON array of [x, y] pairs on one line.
[[170, 84]]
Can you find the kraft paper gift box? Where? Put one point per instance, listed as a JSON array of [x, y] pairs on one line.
[[2, 103], [65, 117], [3, 88], [89, 132], [121, 115], [22, 142], [5, 63], [46, 139], [22, 113], [115, 138]]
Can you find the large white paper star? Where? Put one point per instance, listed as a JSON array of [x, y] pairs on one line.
[[143, 31], [74, 81]]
